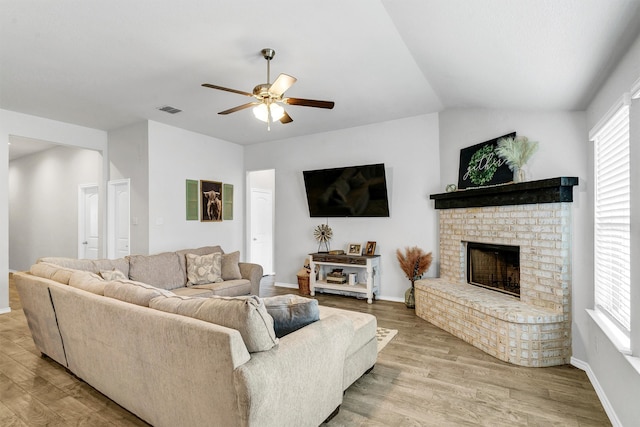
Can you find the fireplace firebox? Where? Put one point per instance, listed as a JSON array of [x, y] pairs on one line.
[[495, 267]]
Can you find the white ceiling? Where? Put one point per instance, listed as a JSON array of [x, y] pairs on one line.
[[108, 64]]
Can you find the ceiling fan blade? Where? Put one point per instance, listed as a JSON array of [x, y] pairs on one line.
[[226, 89], [238, 108], [309, 103], [282, 83], [286, 118]]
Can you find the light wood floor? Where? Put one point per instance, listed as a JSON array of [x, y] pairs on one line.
[[424, 377]]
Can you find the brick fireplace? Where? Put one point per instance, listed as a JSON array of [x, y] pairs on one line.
[[534, 330]]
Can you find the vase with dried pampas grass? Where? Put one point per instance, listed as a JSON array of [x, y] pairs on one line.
[[414, 262], [516, 152]]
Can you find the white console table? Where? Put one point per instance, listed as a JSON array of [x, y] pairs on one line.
[[366, 268]]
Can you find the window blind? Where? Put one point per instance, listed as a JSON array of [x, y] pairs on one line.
[[612, 219]]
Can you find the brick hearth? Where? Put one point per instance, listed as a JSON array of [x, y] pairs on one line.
[[534, 330]]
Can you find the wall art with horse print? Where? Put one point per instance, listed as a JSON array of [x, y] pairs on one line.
[[211, 201]]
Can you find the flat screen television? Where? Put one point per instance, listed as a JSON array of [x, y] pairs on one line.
[[352, 191]]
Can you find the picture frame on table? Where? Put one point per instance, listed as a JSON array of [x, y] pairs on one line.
[[354, 249], [370, 249]]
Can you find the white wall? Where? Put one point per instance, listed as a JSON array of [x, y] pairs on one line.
[[18, 124], [43, 202], [562, 151], [617, 381], [176, 155], [129, 158], [409, 150]]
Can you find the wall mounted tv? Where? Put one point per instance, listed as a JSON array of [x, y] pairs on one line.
[[353, 191]]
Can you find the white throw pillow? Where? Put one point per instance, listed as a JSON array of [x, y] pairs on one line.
[[202, 269]]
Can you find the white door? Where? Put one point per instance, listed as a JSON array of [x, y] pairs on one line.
[[118, 245], [262, 229], [88, 227]]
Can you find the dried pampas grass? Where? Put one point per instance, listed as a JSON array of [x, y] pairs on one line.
[[414, 262]]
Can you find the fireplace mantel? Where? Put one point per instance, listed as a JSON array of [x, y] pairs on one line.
[[549, 190]]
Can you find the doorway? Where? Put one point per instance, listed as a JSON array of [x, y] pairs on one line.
[[88, 225], [261, 219], [118, 214]]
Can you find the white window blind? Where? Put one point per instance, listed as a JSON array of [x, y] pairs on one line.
[[612, 219]]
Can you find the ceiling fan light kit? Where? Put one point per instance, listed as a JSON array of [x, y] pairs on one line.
[[261, 113], [270, 96]]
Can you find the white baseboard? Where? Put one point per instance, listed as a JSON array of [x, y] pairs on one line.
[[5, 310], [580, 364]]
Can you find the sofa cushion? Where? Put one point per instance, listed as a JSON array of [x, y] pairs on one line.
[[92, 265], [203, 269], [291, 312], [52, 271], [248, 315], [364, 325], [193, 291], [114, 274], [162, 270], [133, 292], [87, 281], [230, 267], [228, 288], [76, 264]]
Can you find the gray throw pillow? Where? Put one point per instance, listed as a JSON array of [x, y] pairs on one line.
[[291, 312], [230, 267]]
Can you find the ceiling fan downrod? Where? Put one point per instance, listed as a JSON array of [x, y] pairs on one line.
[[268, 54]]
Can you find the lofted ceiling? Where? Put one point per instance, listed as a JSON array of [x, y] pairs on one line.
[[108, 64]]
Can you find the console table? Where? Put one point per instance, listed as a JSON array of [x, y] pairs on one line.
[[366, 268]]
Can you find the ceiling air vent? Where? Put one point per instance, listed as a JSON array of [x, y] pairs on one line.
[[169, 109]]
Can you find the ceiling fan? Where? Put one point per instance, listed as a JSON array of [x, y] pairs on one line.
[[269, 96]]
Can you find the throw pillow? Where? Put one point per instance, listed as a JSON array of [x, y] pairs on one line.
[[114, 274], [203, 269], [291, 312], [230, 267]]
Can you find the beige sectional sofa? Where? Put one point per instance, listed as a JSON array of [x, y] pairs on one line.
[[181, 360], [168, 270]]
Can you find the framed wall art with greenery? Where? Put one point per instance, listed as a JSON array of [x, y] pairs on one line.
[[480, 165]]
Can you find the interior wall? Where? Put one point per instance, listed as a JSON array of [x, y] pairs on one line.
[[43, 202], [176, 155], [614, 373], [12, 123], [409, 150], [129, 158]]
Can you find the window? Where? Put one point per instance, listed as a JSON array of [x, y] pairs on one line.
[[612, 217]]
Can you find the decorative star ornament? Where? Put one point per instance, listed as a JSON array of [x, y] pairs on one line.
[[323, 235]]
